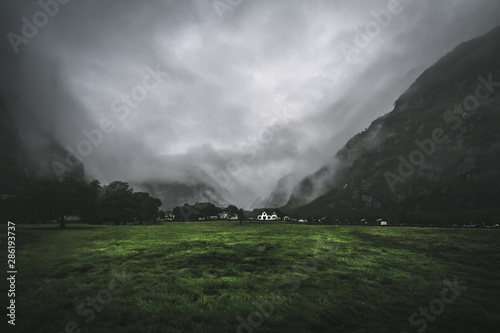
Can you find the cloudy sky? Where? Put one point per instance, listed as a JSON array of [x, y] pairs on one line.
[[250, 89]]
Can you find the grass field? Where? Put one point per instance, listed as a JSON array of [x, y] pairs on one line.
[[202, 277]]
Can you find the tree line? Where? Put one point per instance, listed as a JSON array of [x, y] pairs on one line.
[[204, 210], [49, 199]]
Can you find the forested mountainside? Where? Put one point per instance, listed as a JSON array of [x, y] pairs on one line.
[[434, 158]]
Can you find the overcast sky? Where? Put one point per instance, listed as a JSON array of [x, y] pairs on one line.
[[270, 85]]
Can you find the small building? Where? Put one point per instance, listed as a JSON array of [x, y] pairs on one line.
[[224, 216], [267, 216]]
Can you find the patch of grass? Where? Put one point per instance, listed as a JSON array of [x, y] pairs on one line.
[[200, 277]]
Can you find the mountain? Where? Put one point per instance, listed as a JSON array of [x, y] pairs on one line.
[[199, 187], [22, 158], [281, 193], [20, 161], [433, 159], [11, 154]]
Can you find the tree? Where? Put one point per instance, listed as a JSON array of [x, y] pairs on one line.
[[146, 207], [207, 209], [48, 199], [232, 210], [76, 197], [117, 202], [91, 214], [41, 200], [185, 213], [241, 216], [177, 213]]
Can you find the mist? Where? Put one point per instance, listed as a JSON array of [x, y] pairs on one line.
[[235, 94]]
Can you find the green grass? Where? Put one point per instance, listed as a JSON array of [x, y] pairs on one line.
[[200, 277]]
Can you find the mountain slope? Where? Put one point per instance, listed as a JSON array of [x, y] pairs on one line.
[[434, 157], [11, 155], [281, 193], [197, 187], [20, 161]]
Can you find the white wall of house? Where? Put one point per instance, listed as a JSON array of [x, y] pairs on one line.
[[267, 217]]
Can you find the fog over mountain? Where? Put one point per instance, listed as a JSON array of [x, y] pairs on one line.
[[234, 94], [432, 160]]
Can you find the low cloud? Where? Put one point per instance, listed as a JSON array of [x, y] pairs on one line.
[[227, 77]]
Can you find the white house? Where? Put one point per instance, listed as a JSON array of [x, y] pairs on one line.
[[224, 216], [265, 216]]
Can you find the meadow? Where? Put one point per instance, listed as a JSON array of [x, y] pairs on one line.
[[256, 277]]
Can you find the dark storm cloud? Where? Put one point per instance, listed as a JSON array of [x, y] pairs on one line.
[[228, 77]]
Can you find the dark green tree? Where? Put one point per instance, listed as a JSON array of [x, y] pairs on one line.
[[186, 213], [232, 210], [46, 199], [241, 216], [146, 207], [117, 203], [207, 209]]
